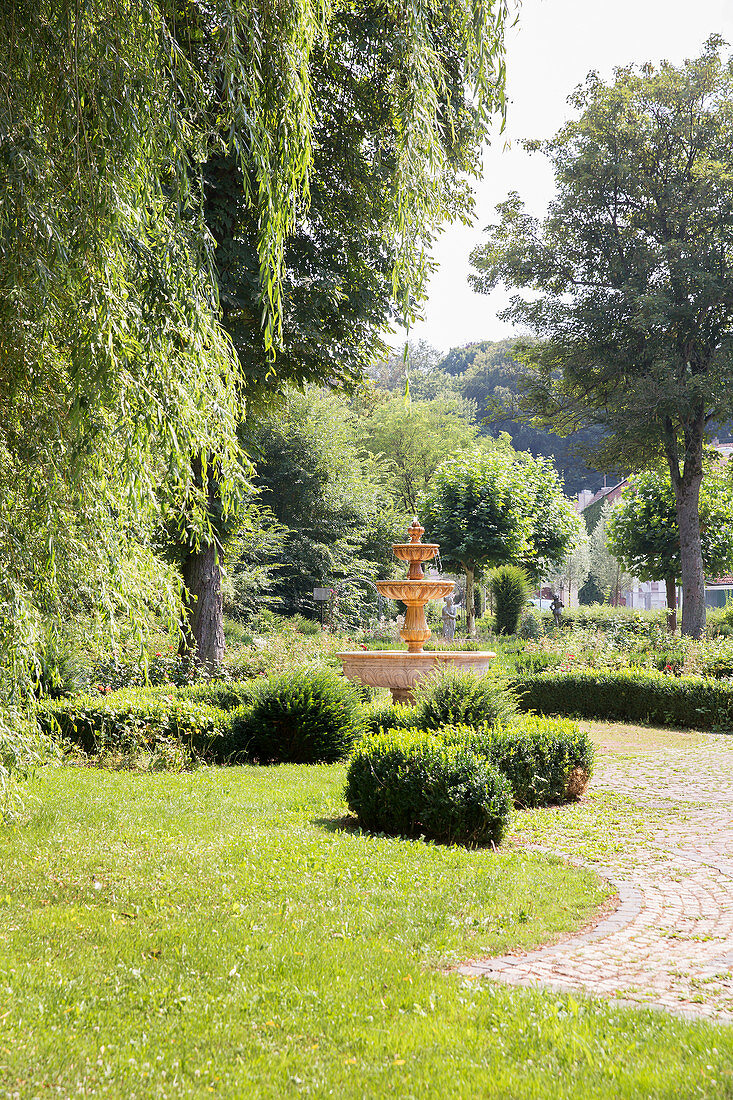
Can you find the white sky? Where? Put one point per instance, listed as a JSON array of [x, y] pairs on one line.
[[555, 44]]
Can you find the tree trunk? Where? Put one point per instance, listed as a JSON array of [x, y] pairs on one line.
[[686, 483], [202, 630], [693, 575], [671, 586], [470, 603], [203, 627]]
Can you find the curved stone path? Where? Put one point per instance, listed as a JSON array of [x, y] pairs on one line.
[[669, 943]]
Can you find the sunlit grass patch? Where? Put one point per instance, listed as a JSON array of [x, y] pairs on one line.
[[219, 931]]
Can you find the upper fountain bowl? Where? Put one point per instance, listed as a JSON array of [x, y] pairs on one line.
[[415, 551], [416, 591]]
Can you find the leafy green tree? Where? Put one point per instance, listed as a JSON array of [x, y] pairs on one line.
[[330, 498], [117, 374], [632, 270], [552, 526], [605, 568], [415, 437], [417, 362], [492, 509], [643, 534]]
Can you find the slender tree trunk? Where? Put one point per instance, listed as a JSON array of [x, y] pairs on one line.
[[470, 603], [202, 630], [671, 586], [693, 574], [686, 481]]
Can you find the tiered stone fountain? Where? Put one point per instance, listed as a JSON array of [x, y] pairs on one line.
[[398, 670]]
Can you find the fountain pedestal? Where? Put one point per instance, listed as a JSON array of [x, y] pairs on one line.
[[398, 670]]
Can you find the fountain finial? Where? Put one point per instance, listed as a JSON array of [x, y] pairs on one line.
[[415, 530]]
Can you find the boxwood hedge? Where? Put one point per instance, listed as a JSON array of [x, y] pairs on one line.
[[131, 719], [685, 702]]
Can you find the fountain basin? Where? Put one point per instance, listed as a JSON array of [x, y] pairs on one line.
[[410, 551], [417, 592], [401, 672]]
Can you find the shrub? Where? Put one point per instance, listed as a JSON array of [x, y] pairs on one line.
[[388, 716], [302, 717], [131, 720], [454, 697], [693, 702], [536, 662], [509, 588], [529, 627], [546, 760], [222, 694], [719, 620], [411, 783]]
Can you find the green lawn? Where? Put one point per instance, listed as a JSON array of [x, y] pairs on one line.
[[218, 932]]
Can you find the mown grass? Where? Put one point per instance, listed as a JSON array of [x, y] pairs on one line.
[[219, 933]]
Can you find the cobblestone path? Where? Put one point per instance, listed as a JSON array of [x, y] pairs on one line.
[[670, 941]]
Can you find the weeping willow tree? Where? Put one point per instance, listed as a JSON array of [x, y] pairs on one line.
[[120, 388]]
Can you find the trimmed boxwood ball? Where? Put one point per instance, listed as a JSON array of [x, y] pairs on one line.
[[461, 697], [302, 717], [546, 760], [411, 783]]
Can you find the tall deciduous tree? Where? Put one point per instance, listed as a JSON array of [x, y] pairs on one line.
[[415, 437], [605, 568], [633, 269], [643, 534], [331, 499]]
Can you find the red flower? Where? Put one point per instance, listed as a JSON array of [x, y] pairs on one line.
[[362, 645]]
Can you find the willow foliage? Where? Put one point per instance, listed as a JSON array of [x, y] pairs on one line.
[[114, 365]]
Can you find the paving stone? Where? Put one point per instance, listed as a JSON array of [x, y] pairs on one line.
[[670, 941]]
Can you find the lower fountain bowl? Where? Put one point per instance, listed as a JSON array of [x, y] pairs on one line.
[[401, 672]]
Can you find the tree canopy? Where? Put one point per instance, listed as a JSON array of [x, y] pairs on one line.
[[331, 500], [632, 274], [117, 369]]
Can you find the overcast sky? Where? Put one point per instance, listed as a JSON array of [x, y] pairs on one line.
[[555, 44]]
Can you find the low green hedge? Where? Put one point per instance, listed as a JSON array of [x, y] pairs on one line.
[[131, 719], [412, 783], [692, 702]]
